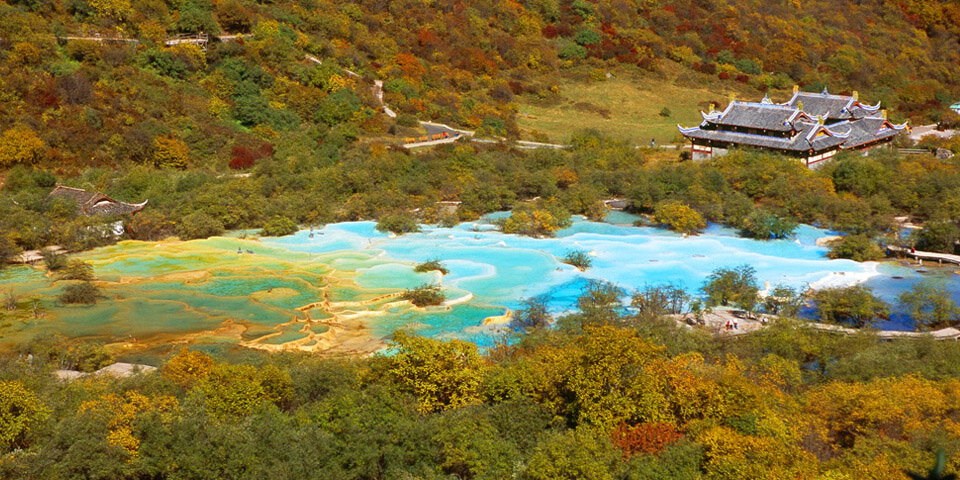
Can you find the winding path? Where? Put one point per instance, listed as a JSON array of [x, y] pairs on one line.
[[437, 133]]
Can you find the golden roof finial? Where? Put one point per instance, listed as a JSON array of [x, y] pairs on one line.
[[884, 113], [856, 95], [800, 106], [796, 89]]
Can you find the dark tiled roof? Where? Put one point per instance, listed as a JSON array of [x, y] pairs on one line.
[[90, 204], [870, 130], [831, 107], [78, 195], [849, 124], [820, 104], [805, 140], [756, 115]]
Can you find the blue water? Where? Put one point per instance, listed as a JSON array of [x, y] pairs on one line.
[[501, 270]]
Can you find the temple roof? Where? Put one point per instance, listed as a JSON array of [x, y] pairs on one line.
[[763, 116], [91, 204], [868, 130], [810, 136], [832, 107], [815, 122]]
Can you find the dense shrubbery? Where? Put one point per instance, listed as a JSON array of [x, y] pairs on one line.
[[310, 186], [578, 258], [279, 226], [679, 217], [424, 295], [668, 403], [198, 225], [733, 286], [80, 292], [856, 247], [398, 223], [854, 306], [766, 225], [536, 219], [430, 266]]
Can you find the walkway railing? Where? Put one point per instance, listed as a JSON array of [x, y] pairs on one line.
[[919, 255]]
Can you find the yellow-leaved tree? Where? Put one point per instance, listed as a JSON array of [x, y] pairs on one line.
[[118, 10], [19, 144], [188, 367], [440, 374], [608, 382], [123, 413], [240, 390], [170, 152], [678, 217], [20, 411]]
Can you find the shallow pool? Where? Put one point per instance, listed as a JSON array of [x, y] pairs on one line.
[[204, 290]]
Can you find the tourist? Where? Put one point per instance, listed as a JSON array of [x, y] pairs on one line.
[[728, 324], [736, 324]]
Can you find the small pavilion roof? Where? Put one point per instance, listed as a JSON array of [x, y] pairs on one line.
[[90, 204]]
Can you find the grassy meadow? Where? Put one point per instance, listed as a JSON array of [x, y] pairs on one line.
[[628, 105]]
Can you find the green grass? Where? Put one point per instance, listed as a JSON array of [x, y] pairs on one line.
[[628, 105]]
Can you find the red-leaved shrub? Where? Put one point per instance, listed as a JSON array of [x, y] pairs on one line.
[[644, 438], [245, 156]]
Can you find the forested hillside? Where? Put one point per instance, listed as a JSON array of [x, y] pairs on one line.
[[643, 399], [74, 102]]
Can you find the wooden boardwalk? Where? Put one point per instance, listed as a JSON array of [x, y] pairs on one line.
[[948, 333], [920, 255]]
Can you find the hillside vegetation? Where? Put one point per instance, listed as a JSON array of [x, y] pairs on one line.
[[606, 395], [72, 103]]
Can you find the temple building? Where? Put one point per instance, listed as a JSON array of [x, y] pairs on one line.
[[810, 126], [91, 204]]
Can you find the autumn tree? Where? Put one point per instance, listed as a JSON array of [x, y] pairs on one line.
[[170, 152], [533, 315], [607, 382], [232, 391], [188, 367], [732, 286], [644, 438], [20, 145], [123, 412], [234, 17], [116, 10], [440, 374], [678, 216], [855, 305], [931, 306], [20, 412]]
